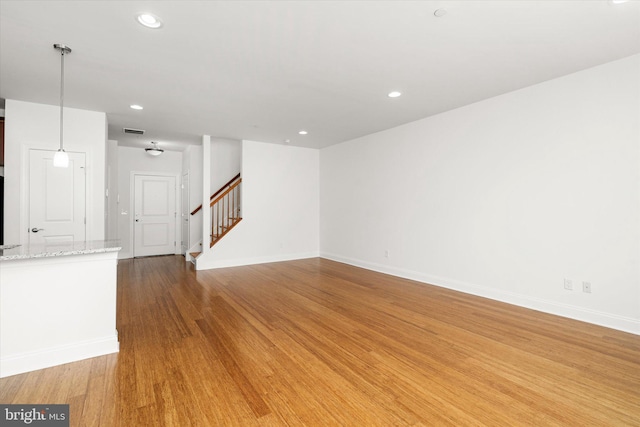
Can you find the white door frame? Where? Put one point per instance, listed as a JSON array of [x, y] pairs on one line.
[[132, 217], [185, 210]]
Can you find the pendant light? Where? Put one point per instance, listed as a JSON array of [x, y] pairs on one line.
[[154, 151], [61, 158]]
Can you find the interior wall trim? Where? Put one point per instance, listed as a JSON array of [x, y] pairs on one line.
[[53, 356], [621, 323]]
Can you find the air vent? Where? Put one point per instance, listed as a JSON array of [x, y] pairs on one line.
[[133, 131]]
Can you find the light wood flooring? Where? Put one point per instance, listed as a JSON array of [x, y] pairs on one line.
[[319, 343]]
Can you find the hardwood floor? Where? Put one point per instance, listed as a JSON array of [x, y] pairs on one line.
[[314, 342]]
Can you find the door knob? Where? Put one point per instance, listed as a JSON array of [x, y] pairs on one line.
[[35, 230]]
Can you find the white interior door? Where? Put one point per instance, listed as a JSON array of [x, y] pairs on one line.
[[185, 214], [57, 210], [155, 215]]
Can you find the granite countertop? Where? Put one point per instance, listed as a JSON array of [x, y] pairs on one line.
[[12, 252]]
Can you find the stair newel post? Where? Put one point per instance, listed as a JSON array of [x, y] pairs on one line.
[[237, 196], [233, 208]]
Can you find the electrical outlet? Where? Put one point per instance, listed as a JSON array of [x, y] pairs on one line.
[[586, 287], [568, 284]]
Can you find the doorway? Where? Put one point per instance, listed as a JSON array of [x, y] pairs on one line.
[[154, 219], [57, 199]]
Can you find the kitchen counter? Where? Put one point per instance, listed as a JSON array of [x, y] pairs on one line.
[[12, 252], [57, 304]]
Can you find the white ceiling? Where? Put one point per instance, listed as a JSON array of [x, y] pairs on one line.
[[263, 70]]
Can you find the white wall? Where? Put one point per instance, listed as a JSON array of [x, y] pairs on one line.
[[503, 198], [29, 125], [280, 188], [225, 163], [111, 203], [192, 164], [226, 160], [137, 160]]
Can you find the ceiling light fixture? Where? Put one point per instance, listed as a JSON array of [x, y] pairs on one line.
[[154, 151], [440, 13], [61, 158], [136, 107], [618, 1], [149, 20], [303, 132], [394, 94]]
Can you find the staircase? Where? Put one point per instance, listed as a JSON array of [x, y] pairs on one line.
[[225, 211]]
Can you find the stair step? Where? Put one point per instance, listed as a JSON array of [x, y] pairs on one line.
[[194, 254]]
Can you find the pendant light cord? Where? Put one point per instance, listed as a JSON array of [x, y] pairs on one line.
[[61, 93], [63, 51]]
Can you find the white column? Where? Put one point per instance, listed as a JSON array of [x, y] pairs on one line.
[[206, 192]]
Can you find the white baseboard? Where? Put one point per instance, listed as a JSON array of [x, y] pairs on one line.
[[26, 362], [204, 263], [621, 323]]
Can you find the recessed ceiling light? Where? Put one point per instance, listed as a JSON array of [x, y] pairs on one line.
[[440, 12], [618, 1], [303, 132], [394, 94], [136, 107], [149, 20]]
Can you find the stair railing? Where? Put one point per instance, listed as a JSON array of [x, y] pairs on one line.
[[225, 211], [220, 190]]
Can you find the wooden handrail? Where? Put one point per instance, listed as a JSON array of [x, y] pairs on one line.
[[217, 192], [227, 191]]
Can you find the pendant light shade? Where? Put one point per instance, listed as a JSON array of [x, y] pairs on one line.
[[154, 151], [61, 158]]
